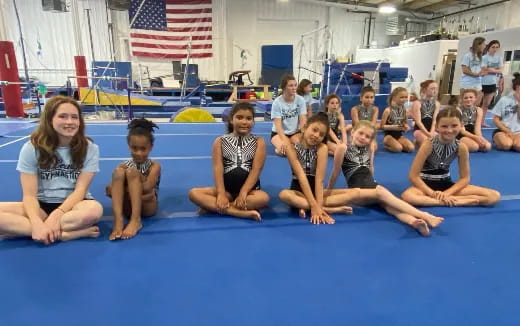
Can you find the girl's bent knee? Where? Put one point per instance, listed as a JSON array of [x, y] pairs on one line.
[[503, 147], [473, 148], [284, 195], [97, 209], [407, 197], [193, 193], [119, 172], [132, 173], [92, 212], [494, 197]]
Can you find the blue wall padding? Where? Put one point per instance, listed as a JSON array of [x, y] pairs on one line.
[[122, 69]]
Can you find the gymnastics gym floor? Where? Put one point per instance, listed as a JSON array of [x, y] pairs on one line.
[[184, 269]]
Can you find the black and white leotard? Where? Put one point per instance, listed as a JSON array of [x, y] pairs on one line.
[[397, 117], [366, 112], [427, 110], [238, 153], [436, 170], [334, 123], [308, 158], [356, 167], [144, 169], [469, 118]]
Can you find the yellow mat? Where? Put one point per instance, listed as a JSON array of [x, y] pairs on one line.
[[107, 98]]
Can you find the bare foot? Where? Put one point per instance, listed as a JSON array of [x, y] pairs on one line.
[[90, 232], [301, 213], [327, 219], [250, 214], [421, 227], [131, 229], [338, 210], [117, 230], [201, 211], [466, 202], [255, 215], [432, 220]]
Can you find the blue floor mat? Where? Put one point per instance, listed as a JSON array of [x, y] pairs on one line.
[[367, 269]]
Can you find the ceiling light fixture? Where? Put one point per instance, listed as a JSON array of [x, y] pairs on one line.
[[387, 8]]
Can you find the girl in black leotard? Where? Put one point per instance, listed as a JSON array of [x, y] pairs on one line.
[[366, 110], [308, 161], [425, 111], [238, 159], [337, 136], [430, 171], [471, 133], [357, 167], [394, 122]]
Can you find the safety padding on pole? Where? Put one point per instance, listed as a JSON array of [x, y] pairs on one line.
[[12, 94], [81, 70]]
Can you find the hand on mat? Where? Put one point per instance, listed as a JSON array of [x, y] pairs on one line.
[[326, 219], [222, 203], [316, 214], [241, 201], [40, 232], [53, 222]]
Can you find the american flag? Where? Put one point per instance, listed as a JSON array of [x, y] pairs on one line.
[[163, 28]]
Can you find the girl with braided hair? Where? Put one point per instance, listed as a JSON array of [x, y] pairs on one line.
[[135, 182]]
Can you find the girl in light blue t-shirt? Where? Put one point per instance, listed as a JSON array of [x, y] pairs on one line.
[[507, 119], [289, 114], [472, 68], [492, 62], [56, 167]]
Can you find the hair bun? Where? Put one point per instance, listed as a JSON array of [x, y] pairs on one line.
[[142, 123], [516, 75]]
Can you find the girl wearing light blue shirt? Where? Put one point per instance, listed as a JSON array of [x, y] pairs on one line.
[[492, 62], [56, 167], [289, 115], [472, 68], [507, 119]]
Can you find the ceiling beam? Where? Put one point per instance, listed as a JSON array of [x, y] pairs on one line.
[[469, 9], [440, 5], [419, 4], [361, 6]]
